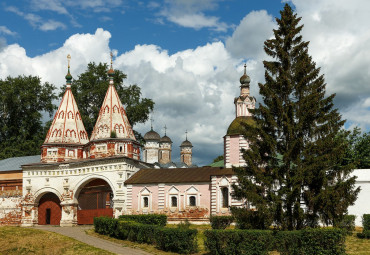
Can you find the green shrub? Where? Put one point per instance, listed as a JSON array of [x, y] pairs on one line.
[[220, 222], [364, 234], [105, 225], [229, 242], [366, 221], [249, 219], [152, 219], [177, 240], [323, 241], [347, 224], [288, 242], [184, 224]]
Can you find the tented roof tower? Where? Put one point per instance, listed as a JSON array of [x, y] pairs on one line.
[[67, 135], [113, 134]]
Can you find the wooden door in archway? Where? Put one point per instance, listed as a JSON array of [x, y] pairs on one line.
[[94, 200], [49, 210]]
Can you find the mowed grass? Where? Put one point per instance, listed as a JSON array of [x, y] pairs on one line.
[[18, 240], [357, 246]]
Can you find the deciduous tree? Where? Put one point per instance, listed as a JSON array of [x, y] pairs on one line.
[[23, 101]]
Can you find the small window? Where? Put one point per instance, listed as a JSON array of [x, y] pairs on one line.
[[173, 201], [145, 202], [225, 197], [192, 201]]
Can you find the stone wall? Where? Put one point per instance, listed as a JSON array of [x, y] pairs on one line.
[[10, 207]]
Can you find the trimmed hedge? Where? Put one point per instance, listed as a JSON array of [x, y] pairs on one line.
[[324, 241], [347, 223], [177, 240], [366, 221], [366, 227], [307, 242], [248, 242], [220, 222], [152, 219], [105, 225], [288, 242]]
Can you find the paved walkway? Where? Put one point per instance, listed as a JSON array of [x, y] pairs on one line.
[[78, 233]]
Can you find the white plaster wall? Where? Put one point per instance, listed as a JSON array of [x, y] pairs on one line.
[[362, 204]]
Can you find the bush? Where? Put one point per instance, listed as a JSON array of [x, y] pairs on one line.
[[288, 242], [249, 219], [221, 222], [105, 225], [366, 221], [152, 219], [364, 234], [324, 241], [228, 242], [347, 224], [177, 240], [180, 240], [136, 232]]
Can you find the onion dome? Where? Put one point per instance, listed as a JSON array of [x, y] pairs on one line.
[[111, 71], [152, 135], [245, 79], [239, 125], [186, 143], [165, 139], [68, 76]]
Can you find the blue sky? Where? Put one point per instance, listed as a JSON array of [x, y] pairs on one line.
[[43, 25], [188, 55]]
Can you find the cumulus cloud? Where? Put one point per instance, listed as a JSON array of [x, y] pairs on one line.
[[338, 34], [249, 36], [194, 89]]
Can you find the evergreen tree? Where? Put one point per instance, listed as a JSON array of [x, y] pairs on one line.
[[295, 173], [89, 90]]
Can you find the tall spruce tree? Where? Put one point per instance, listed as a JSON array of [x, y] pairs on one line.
[[295, 174]]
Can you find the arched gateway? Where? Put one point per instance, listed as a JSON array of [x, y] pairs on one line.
[[94, 200], [49, 210]]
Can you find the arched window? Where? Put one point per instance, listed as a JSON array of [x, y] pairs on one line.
[[225, 197], [106, 109], [145, 202], [115, 109], [173, 201], [70, 115], [61, 115], [192, 201], [78, 116]]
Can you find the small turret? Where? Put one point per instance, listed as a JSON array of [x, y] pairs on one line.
[[186, 151]]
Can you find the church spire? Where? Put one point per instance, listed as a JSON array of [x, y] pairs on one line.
[[67, 134]]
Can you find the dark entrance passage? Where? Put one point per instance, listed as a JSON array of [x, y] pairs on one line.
[[94, 200], [49, 211]]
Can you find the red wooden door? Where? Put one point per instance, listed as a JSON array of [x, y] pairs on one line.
[[49, 211], [87, 216]]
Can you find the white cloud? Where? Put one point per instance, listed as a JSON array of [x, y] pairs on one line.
[[36, 21], [249, 36], [190, 14], [198, 21], [52, 25], [4, 30], [50, 5]]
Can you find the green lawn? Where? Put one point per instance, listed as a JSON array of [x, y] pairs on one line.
[[18, 240]]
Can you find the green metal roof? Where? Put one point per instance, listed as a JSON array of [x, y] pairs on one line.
[[236, 127]]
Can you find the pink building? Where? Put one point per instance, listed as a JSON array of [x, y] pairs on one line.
[[181, 193]]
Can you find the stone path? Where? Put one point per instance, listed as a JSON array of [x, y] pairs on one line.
[[78, 233]]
